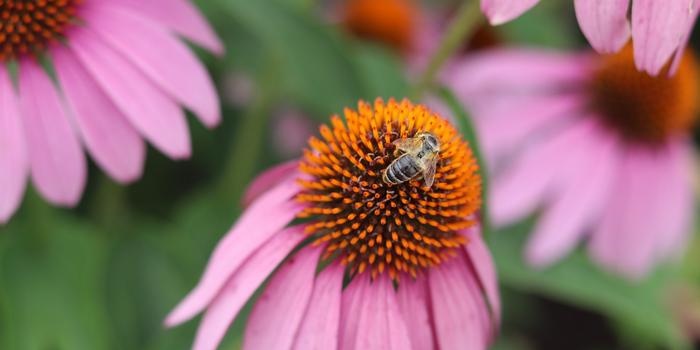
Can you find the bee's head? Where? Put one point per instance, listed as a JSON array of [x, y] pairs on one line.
[[429, 140]]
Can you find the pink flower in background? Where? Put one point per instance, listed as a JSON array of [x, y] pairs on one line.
[[368, 266], [291, 128], [660, 29], [122, 76], [603, 150]]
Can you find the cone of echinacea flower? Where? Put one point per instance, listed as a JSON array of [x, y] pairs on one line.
[[660, 28], [599, 149], [369, 263], [121, 76]]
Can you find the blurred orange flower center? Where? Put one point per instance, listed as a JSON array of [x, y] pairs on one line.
[[27, 26], [373, 226], [646, 108], [387, 21]]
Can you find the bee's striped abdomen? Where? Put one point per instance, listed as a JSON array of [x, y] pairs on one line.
[[401, 170]]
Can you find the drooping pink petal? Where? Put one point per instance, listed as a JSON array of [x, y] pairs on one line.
[[414, 303], [14, 162], [241, 286], [265, 217], [658, 30], [502, 11], [278, 312], [684, 41], [179, 16], [523, 186], [578, 205], [456, 313], [148, 109], [370, 317], [111, 140], [479, 257], [268, 179], [604, 23], [58, 164], [320, 324], [160, 56], [628, 236]]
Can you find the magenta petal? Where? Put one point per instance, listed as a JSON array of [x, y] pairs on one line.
[[457, 316], [241, 286], [268, 179], [109, 137], [157, 117], [501, 11], [658, 30], [179, 16], [319, 327], [414, 303], [370, 316], [58, 164], [278, 312], [684, 41], [265, 217], [14, 162], [160, 56], [479, 256], [578, 205], [604, 23]]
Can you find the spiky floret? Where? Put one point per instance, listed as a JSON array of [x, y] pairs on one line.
[[372, 226]]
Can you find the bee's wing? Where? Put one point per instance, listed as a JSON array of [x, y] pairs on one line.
[[408, 145], [429, 172]]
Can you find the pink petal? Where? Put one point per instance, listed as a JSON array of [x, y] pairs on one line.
[[414, 303], [241, 286], [501, 11], [57, 162], [479, 256], [628, 237], [14, 163], [658, 30], [521, 188], [319, 326], [160, 56], [109, 137], [265, 217], [154, 114], [578, 205], [278, 312], [268, 179], [604, 23], [179, 16], [456, 314], [378, 323], [684, 41]]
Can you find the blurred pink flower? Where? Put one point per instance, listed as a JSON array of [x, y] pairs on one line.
[[291, 128], [390, 277], [660, 29], [121, 75], [603, 149]]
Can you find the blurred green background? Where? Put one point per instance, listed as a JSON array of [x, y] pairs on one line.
[[104, 275]]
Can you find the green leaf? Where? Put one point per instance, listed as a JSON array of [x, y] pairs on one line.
[[639, 306], [382, 72]]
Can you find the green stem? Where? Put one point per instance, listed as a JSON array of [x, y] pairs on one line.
[[110, 204], [466, 22]]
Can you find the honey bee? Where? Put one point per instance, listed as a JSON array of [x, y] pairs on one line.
[[420, 156]]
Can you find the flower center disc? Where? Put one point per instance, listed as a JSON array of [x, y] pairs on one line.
[[27, 26], [387, 21], [642, 107], [373, 226]]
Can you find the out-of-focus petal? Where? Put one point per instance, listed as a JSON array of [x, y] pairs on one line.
[[111, 140], [579, 204], [321, 322], [58, 164], [265, 217], [268, 179], [501, 11], [179, 16], [479, 257], [160, 56], [153, 113], [278, 312], [604, 23], [14, 163], [684, 41], [658, 30], [414, 304], [241, 286]]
